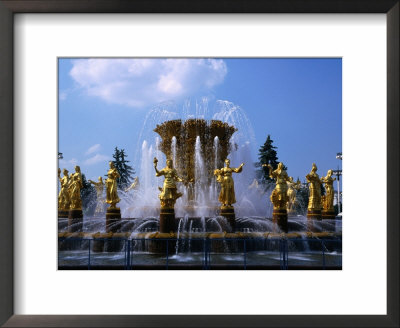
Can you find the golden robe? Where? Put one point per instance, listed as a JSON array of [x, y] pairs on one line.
[[227, 194], [314, 201], [111, 187], [329, 196], [169, 190], [63, 196], [279, 196], [74, 188]]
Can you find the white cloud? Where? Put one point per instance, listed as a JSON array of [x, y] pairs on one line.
[[93, 149], [68, 164], [96, 159], [72, 161], [143, 82]]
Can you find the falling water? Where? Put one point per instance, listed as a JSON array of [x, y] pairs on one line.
[[206, 192], [214, 186], [182, 228], [199, 176], [253, 204], [145, 198], [190, 236], [173, 149], [146, 165], [252, 200], [216, 146], [158, 151], [203, 224]]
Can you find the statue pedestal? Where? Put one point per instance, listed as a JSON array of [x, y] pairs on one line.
[[314, 214], [280, 217], [158, 243], [108, 242], [75, 220], [167, 220], [113, 218], [328, 215], [312, 227], [63, 214], [229, 214]]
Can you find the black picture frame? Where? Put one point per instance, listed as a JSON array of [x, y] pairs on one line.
[[10, 7]]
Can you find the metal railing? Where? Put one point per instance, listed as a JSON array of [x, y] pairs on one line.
[[258, 248]]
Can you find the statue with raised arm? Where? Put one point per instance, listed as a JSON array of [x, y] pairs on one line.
[[279, 196], [224, 177], [327, 200], [63, 196], [291, 193], [111, 186], [135, 185], [99, 186], [169, 192], [314, 201]]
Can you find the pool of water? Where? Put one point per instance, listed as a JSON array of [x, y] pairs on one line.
[[82, 259]]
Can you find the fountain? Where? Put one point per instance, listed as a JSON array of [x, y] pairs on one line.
[[194, 209], [197, 147]]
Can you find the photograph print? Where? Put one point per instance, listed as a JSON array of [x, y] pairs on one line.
[[199, 164]]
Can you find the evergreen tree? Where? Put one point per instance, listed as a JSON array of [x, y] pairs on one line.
[[267, 155], [126, 171], [88, 196]]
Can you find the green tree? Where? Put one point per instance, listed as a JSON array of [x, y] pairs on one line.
[[267, 154], [88, 196], [126, 171]]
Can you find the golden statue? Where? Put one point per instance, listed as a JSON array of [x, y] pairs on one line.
[[224, 177], [63, 196], [99, 192], [314, 201], [111, 186], [279, 197], [169, 193], [291, 193], [327, 200], [135, 185], [99, 187], [186, 133], [74, 189]]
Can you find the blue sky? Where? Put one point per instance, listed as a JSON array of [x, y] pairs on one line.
[[103, 103]]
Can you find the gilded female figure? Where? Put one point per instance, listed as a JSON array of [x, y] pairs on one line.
[[77, 174], [279, 197], [63, 196], [111, 186], [135, 185], [291, 193], [329, 196], [74, 189], [224, 177], [99, 192], [169, 193], [314, 202], [99, 187]]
